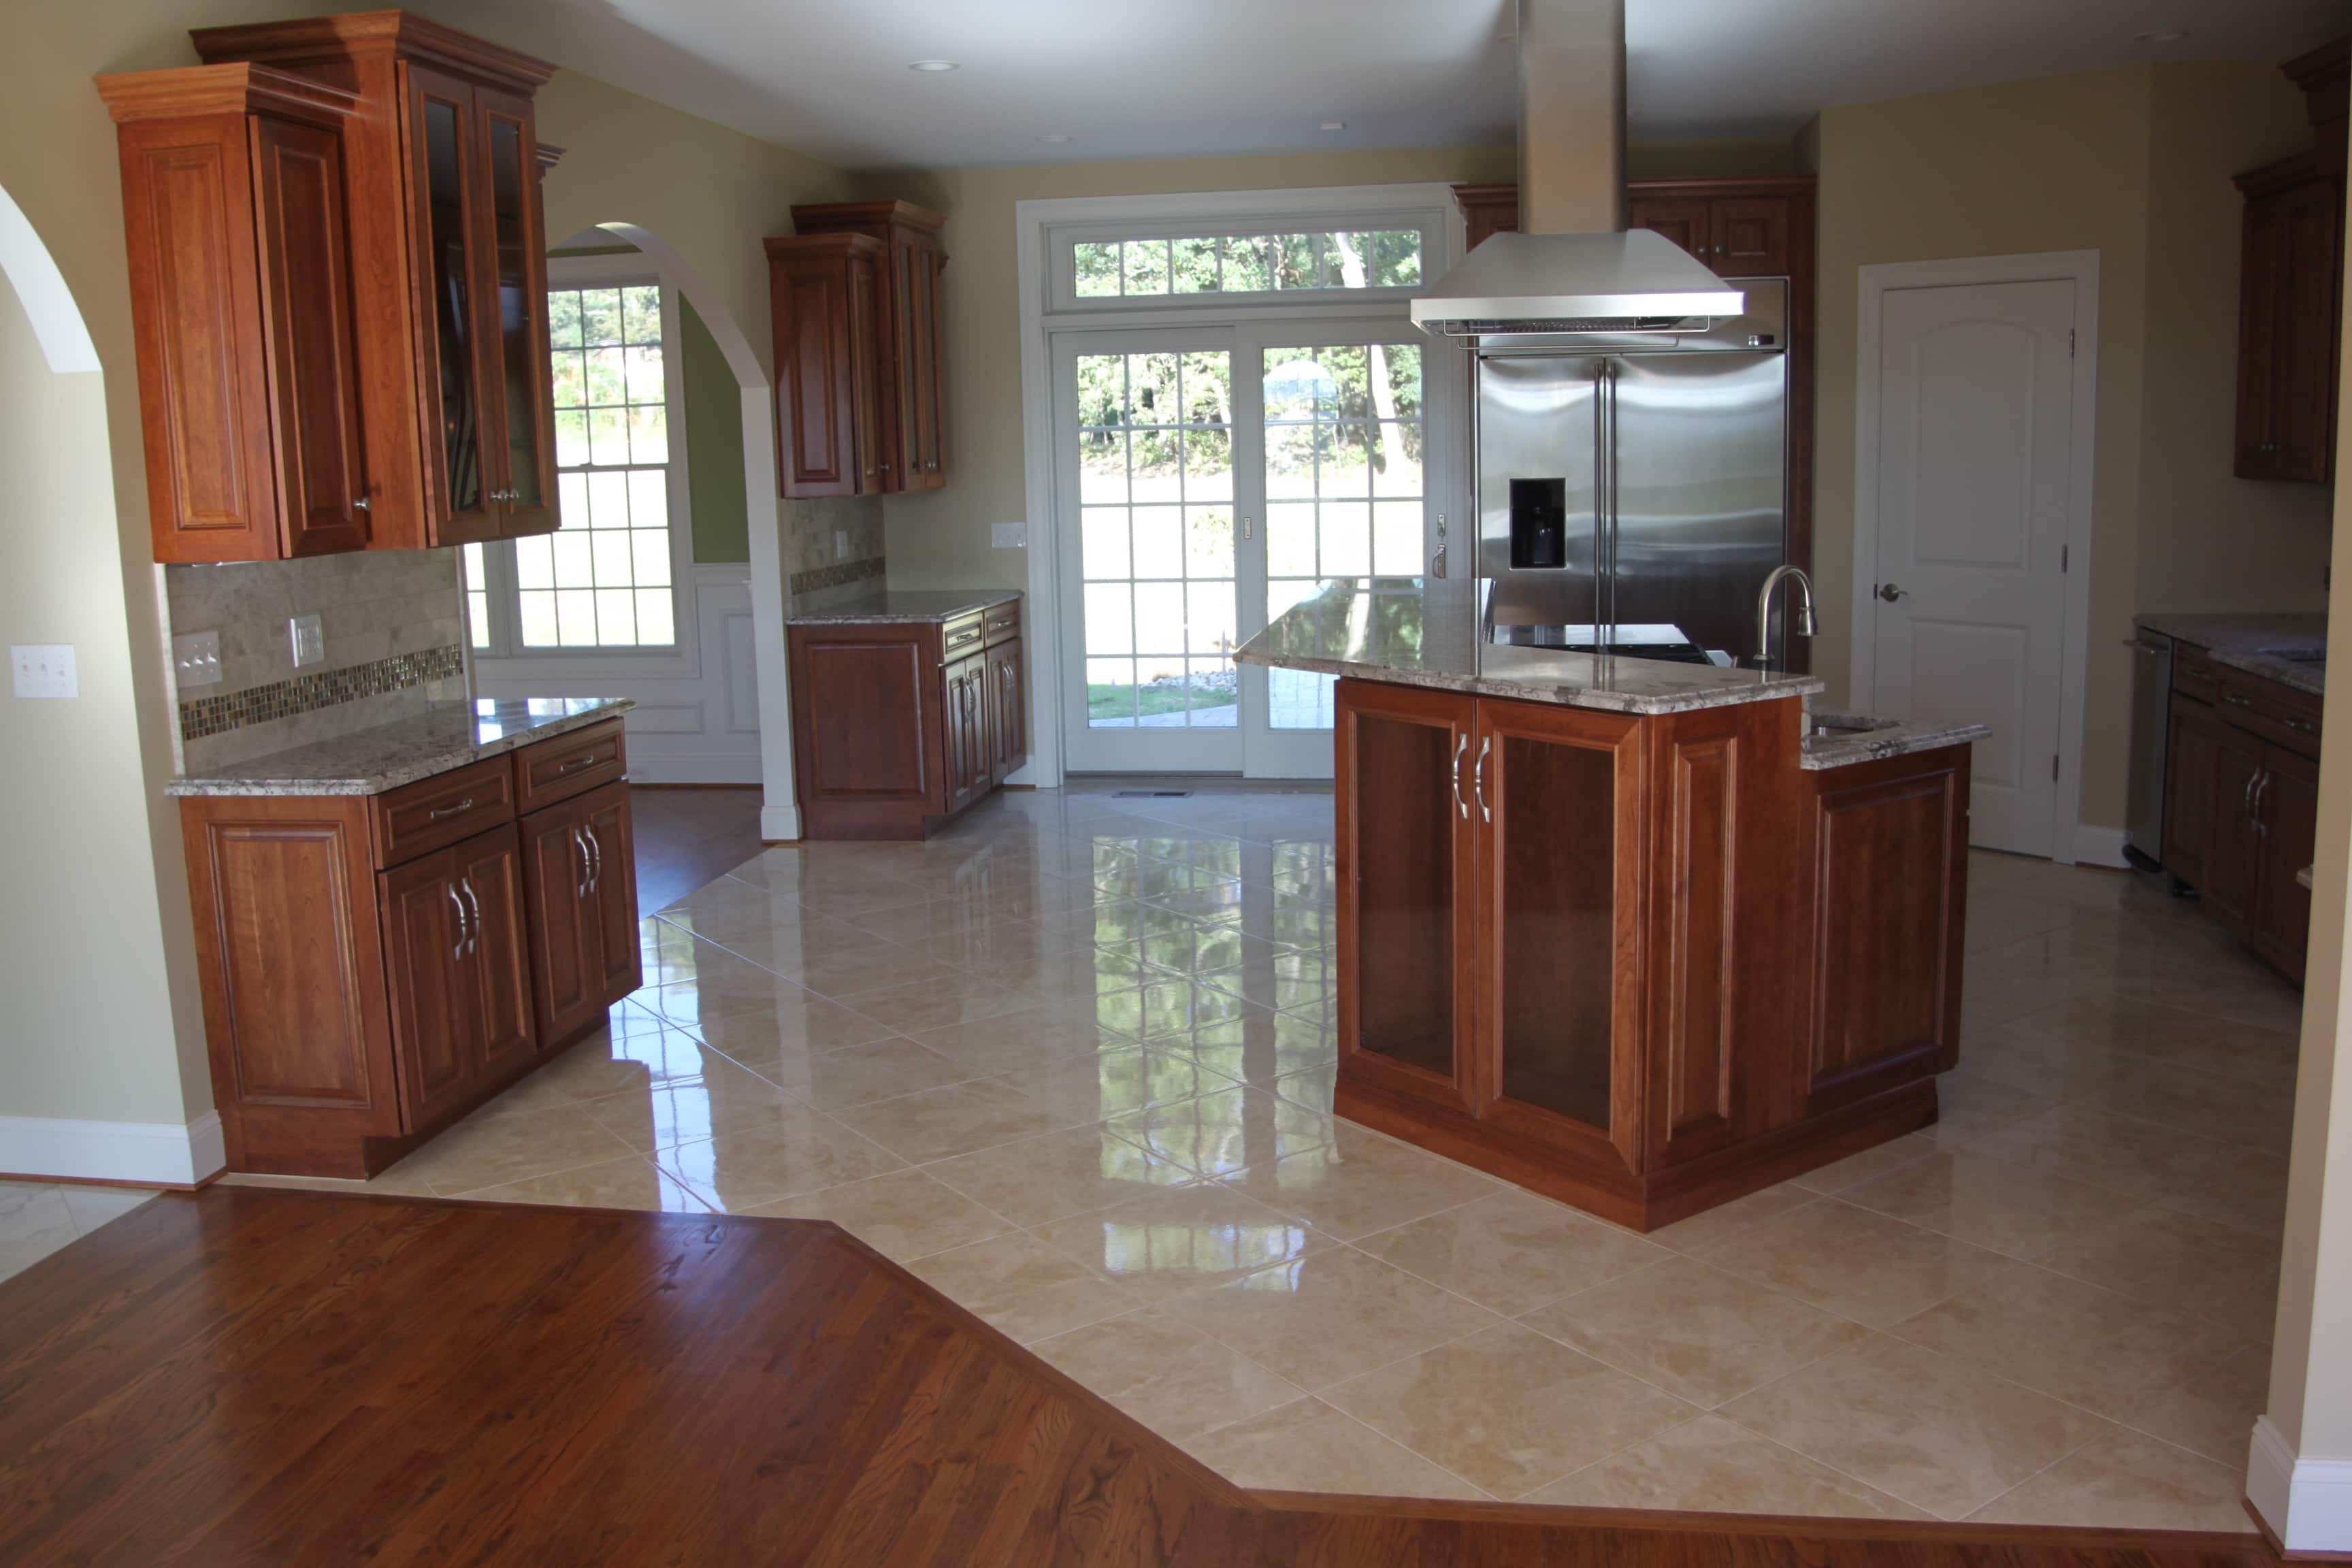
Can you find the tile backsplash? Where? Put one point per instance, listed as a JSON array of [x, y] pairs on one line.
[[394, 629], [818, 576]]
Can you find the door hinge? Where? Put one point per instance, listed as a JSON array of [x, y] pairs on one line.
[[2070, 342], [2065, 554], [2054, 767]]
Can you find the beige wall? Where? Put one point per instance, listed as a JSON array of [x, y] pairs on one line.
[[2134, 163], [713, 193], [942, 539]]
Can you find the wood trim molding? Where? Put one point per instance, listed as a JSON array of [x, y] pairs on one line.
[[363, 34], [238, 88]]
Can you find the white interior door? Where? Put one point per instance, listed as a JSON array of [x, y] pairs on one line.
[[1146, 430], [1975, 434]]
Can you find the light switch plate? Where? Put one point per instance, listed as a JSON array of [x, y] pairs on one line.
[[45, 670], [1008, 535], [310, 640], [841, 544], [195, 659]]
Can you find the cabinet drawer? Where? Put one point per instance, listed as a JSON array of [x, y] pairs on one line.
[[2277, 714], [2193, 672], [963, 636], [567, 765], [432, 814], [1003, 622]]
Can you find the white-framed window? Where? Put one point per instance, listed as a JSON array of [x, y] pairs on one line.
[[608, 581], [1359, 257]]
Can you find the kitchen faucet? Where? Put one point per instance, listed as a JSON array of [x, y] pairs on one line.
[[1801, 625]]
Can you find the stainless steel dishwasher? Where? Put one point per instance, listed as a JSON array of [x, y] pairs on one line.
[[2151, 719]]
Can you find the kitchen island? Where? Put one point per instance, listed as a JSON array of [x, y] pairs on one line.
[[1643, 936]]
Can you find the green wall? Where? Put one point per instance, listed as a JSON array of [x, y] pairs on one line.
[[714, 445]]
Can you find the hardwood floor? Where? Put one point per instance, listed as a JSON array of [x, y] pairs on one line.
[[249, 1375], [688, 837]]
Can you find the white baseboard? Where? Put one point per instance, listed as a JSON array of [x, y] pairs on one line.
[[2307, 1503], [780, 824], [163, 1153], [2099, 847]]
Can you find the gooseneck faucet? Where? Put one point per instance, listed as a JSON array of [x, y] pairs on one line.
[[1801, 623]]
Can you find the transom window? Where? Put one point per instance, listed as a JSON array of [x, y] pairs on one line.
[[1154, 266], [607, 579]]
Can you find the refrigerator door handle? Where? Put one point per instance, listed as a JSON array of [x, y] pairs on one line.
[[1603, 457]]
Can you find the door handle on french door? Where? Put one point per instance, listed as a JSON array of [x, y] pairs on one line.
[[1437, 561], [1890, 593], [1245, 529], [1460, 746]]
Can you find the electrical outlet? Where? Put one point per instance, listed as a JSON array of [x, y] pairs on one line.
[[841, 544], [310, 640], [45, 670], [1008, 535], [195, 659]]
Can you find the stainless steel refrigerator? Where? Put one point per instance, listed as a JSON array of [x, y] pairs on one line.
[[1633, 489]]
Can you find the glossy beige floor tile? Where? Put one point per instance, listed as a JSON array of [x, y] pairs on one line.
[[1854, 1263], [725, 1098], [1330, 1315], [1029, 1036], [1936, 1432], [488, 1151], [1868, 1165], [1712, 1466], [1181, 1238], [1309, 1447], [1981, 1198], [859, 1074], [2200, 1265], [1038, 1180], [799, 1150], [800, 1023], [1228, 1132], [1111, 1085], [1512, 1251], [939, 1003], [1695, 1330], [1361, 1182], [1174, 1378], [940, 1123], [1507, 1409], [34, 1223], [1704, 1232], [903, 1216], [2126, 1481], [631, 1182], [1029, 1290]]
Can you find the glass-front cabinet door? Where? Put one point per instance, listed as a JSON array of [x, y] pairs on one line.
[[448, 215], [1556, 792], [515, 300], [1408, 846]]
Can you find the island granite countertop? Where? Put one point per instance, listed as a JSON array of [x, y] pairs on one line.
[[886, 605], [2258, 644], [369, 761]]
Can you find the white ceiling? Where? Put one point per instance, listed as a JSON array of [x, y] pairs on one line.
[[1127, 80]]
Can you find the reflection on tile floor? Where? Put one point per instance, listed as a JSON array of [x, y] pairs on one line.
[[36, 1218], [1071, 1063]]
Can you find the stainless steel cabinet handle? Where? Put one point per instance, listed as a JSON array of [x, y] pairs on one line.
[[473, 905], [2247, 800], [1460, 805], [596, 864], [580, 883], [581, 761], [459, 809], [1478, 781], [2305, 725], [1890, 593], [457, 950], [2237, 700]]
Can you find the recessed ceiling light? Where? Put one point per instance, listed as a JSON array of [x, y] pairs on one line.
[[1055, 136], [2163, 36], [935, 66], [1335, 125]]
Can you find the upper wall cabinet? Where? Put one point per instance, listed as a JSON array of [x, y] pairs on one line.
[[2290, 292], [859, 401], [342, 325]]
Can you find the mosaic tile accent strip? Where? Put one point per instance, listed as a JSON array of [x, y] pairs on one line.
[[838, 574], [314, 689]]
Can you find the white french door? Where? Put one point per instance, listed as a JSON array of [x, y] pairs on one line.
[[1209, 479]]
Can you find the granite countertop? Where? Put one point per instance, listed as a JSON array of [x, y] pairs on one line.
[[1413, 632], [370, 762], [2256, 644], [1846, 739], [888, 604]]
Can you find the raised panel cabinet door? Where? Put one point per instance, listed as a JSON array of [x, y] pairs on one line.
[[2232, 847], [2262, 269], [2191, 755], [618, 959], [1749, 235], [433, 1028], [520, 409], [2303, 403], [1011, 714], [823, 292], [1889, 863], [1682, 219], [306, 293], [1557, 795], [927, 470], [557, 863], [1407, 852], [489, 870], [869, 720], [1693, 1082], [2287, 804], [870, 446], [448, 220]]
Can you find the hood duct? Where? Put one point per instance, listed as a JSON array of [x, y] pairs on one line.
[[1596, 278]]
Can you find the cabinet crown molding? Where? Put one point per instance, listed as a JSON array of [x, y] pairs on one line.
[[239, 89], [827, 217], [365, 35], [842, 242]]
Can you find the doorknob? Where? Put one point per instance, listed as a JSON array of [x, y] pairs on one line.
[[1890, 593]]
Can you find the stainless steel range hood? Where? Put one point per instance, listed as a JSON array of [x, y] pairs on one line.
[[1553, 283], [1571, 175]]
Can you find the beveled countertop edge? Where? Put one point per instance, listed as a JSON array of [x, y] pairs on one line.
[[2310, 678], [851, 616], [1593, 698], [377, 781], [1818, 753]]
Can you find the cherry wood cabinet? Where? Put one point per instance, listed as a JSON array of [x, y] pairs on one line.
[[1644, 964], [2291, 285], [374, 966], [445, 246], [2241, 778], [1759, 226], [242, 312], [860, 398], [899, 724]]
